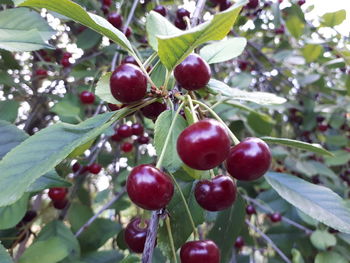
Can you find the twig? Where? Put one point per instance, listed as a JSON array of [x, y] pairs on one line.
[[105, 207], [151, 237], [268, 240], [197, 12]]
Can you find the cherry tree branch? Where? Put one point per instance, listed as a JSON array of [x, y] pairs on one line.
[[151, 237], [197, 12]]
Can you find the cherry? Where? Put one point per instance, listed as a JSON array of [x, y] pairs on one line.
[[193, 73], [95, 168], [280, 30], [124, 131], [113, 107], [322, 127], [180, 24], [115, 19], [128, 83], [153, 110], [135, 235], [249, 160], [87, 97], [130, 60], [216, 194], [143, 140], [105, 9], [182, 12], [242, 64], [239, 243], [200, 251], [252, 4], [250, 210], [66, 55], [301, 2], [149, 188], [225, 5], [127, 147], [65, 62], [29, 216], [76, 166], [41, 72], [58, 193], [137, 129], [160, 9], [107, 2], [127, 32], [275, 217], [203, 145], [60, 204], [116, 137]]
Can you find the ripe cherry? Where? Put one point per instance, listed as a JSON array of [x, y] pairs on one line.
[[115, 19], [128, 83], [249, 160], [216, 194], [193, 73], [161, 10], [242, 64], [200, 251], [143, 139], [130, 60], [95, 168], [275, 217], [127, 31], [252, 4], [203, 145], [301, 2], [58, 193], [280, 30], [60, 204], [124, 131], [41, 72], [107, 2], [225, 5], [76, 166], [149, 188], [66, 55], [126, 147], [137, 129], [87, 97], [65, 62], [322, 127], [250, 210], [153, 110], [182, 12], [135, 235], [105, 9], [116, 137], [113, 107], [239, 243]]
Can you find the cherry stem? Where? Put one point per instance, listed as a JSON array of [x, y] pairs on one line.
[[145, 72], [167, 77], [233, 137], [194, 115], [168, 227], [161, 157], [151, 237], [188, 211]]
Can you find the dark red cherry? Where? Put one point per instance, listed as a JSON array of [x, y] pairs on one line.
[[252, 4], [95, 168], [225, 5], [242, 64], [143, 139], [135, 235], [182, 12], [216, 194], [113, 107], [301, 2], [115, 19], [180, 23], [107, 2], [320, 119], [128, 83], [149, 188], [200, 251], [322, 127], [87, 97], [41, 72], [124, 131], [66, 55], [126, 147], [137, 129], [203, 145], [65, 62], [250, 210], [76, 166], [160, 9], [105, 9], [239, 243], [60, 204], [127, 31], [153, 110], [249, 160], [193, 73], [275, 217], [58, 193], [29, 216], [130, 60], [116, 137], [280, 30]]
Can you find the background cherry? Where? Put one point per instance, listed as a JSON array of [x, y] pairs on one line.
[[161, 10], [137, 129], [115, 19], [95, 168], [149, 188], [87, 97], [58, 193], [124, 131], [181, 13], [275, 217], [41, 72], [135, 235], [250, 210], [60, 204], [239, 243], [200, 251], [208, 139], [252, 4], [116, 137], [180, 24], [130, 59], [153, 110], [127, 147], [143, 139]]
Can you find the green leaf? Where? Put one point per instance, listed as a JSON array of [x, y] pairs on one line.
[[66, 109], [295, 26], [48, 180], [259, 124], [223, 50], [12, 214], [171, 160], [311, 52], [131, 259], [23, 30], [311, 147], [158, 25], [173, 49], [4, 256], [319, 202], [48, 251], [322, 239], [262, 98], [10, 137], [59, 230], [41, 152], [297, 256], [88, 39], [158, 74], [334, 18], [330, 257], [108, 256], [9, 110], [103, 90], [340, 157], [78, 14], [227, 227]]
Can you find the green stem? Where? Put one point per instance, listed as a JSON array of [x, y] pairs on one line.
[[161, 157], [145, 71], [168, 227], [194, 115], [167, 77], [150, 59], [233, 137]]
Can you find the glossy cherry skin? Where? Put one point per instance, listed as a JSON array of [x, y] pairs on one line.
[[149, 188], [225, 5], [60, 204], [239, 243], [203, 145], [135, 235], [113, 107], [65, 62], [160, 9], [58, 193], [116, 137], [66, 55], [301, 2], [95, 168], [200, 251], [137, 129], [127, 147], [193, 73], [275, 217], [249, 160], [216, 194], [115, 19], [153, 110], [128, 83], [180, 23], [76, 166], [143, 139], [252, 4], [130, 60], [250, 210], [182, 12], [124, 131], [87, 97]]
